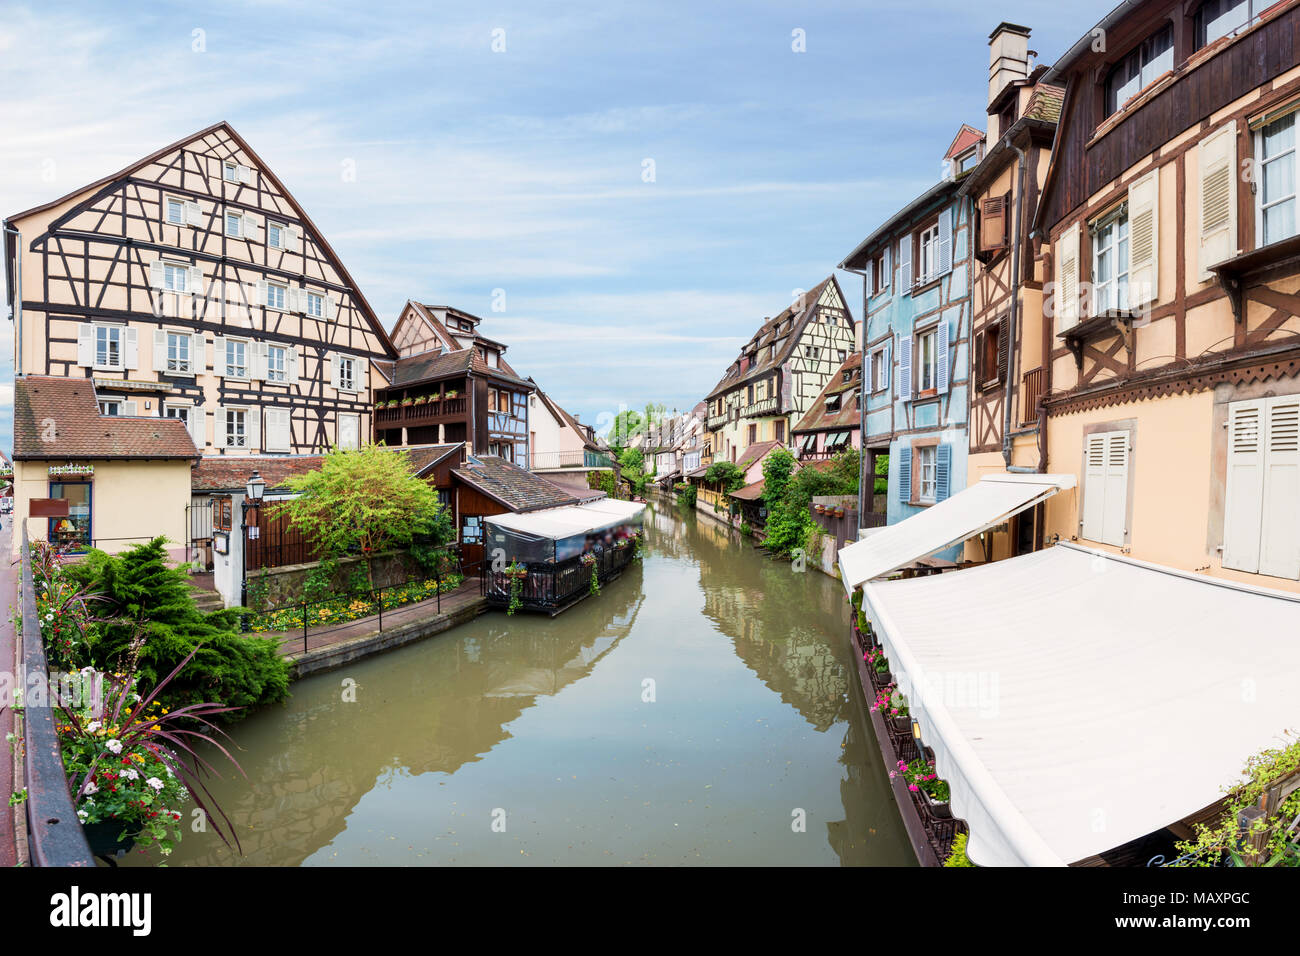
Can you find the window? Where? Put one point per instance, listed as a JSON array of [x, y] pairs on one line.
[[275, 296], [1217, 19], [349, 431], [926, 379], [236, 358], [1110, 261], [1277, 175], [1261, 517], [1152, 57], [236, 427], [72, 532], [275, 235], [991, 356], [753, 434], [182, 413], [230, 172], [1104, 512], [176, 278], [927, 254], [176, 211], [879, 279], [108, 346], [178, 352], [780, 431], [234, 225], [110, 408], [315, 305], [967, 161], [471, 530], [277, 364], [878, 370], [347, 374], [771, 352], [925, 463], [843, 355]]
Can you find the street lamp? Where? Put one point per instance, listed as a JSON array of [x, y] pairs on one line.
[[254, 489]]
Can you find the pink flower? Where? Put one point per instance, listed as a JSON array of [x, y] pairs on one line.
[[913, 787]]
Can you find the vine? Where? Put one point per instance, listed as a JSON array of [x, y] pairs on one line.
[[516, 573]]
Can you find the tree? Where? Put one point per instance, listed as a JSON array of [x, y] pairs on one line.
[[727, 474], [631, 463], [778, 469], [366, 501], [628, 426]]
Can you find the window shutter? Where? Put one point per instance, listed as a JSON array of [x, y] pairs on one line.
[[261, 293], [291, 238], [977, 359], [334, 370], [193, 213], [905, 265], [253, 428], [130, 408], [885, 367], [198, 358], [196, 280], [942, 471], [1218, 164], [132, 349], [887, 281], [905, 474], [945, 241], [277, 429], [1143, 243], [1244, 492], [905, 368], [196, 427], [159, 350], [1115, 522], [219, 427], [291, 365], [243, 174], [1004, 351], [258, 353], [993, 224], [1094, 488], [1279, 546], [941, 357], [86, 344], [1067, 279], [157, 276], [219, 355], [331, 308], [249, 229]]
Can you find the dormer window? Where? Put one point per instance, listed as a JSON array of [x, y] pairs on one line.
[[1150, 59], [967, 161]]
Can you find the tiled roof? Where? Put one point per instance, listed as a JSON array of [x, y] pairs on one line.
[[69, 405], [231, 473], [768, 332], [435, 366], [848, 414], [1045, 103], [966, 137], [512, 486], [424, 457], [750, 492], [755, 452]]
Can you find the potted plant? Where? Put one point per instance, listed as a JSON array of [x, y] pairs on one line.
[[407, 402], [820, 509], [421, 399], [452, 393], [839, 511]]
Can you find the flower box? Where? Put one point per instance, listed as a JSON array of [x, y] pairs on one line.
[[407, 402], [102, 837], [421, 399], [941, 809]]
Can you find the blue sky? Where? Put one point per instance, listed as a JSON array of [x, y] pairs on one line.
[[523, 170]]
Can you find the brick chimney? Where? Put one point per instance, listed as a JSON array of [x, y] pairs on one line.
[[1008, 57]]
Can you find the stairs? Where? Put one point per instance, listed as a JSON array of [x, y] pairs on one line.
[[207, 601]]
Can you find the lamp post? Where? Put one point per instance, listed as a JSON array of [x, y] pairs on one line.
[[254, 488]]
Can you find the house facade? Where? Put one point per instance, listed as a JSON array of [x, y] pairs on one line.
[[780, 372], [561, 448], [833, 423], [916, 271], [1171, 211]]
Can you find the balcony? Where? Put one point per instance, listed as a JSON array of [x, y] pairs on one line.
[[764, 406], [714, 422], [423, 413], [561, 460]]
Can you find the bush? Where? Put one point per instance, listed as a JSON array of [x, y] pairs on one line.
[[686, 495], [958, 855], [727, 474]]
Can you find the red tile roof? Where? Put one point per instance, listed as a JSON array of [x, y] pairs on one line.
[[517, 489], [59, 418], [848, 415], [231, 473]]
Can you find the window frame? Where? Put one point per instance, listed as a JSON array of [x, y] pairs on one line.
[[238, 220], [283, 291], [925, 242], [1291, 153], [225, 359], [167, 203], [1200, 36], [106, 328], [348, 383], [919, 465], [1114, 225], [188, 339], [229, 432], [931, 334], [1111, 103], [283, 370]]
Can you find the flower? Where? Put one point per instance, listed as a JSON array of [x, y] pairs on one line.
[[131, 773], [91, 788], [114, 745], [155, 783], [93, 726]]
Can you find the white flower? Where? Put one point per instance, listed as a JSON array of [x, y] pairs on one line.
[[91, 788], [155, 783], [50, 616], [93, 726], [130, 774], [82, 815], [114, 745]]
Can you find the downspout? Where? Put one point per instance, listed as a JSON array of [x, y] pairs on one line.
[[863, 477], [17, 266], [1013, 317]]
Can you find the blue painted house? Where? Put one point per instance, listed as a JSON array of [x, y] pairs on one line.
[[916, 271]]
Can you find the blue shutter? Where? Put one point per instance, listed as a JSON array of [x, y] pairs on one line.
[[885, 367], [905, 265], [905, 368], [887, 282], [905, 474], [867, 282], [942, 469], [941, 357], [945, 242]]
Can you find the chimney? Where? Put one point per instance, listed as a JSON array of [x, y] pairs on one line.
[[1008, 57]]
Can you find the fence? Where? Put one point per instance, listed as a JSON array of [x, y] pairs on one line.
[[54, 834], [551, 587], [271, 542]]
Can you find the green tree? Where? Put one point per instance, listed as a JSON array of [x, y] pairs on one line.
[[628, 426], [366, 501], [727, 474], [778, 470], [631, 462]]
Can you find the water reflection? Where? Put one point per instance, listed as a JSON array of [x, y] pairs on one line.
[[549, 719]]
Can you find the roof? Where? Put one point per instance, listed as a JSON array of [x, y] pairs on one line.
[[966, 137], [1045, 103], [565, 419], [938, 191], [751, 492], [756, 452], [262, 169], [513, 487], [987, 503], [80, 431], [1036, 747], [434, 366], [848, 414], [559, 523], [424, 457], [767, 334], [1088, 42], [231, 473]]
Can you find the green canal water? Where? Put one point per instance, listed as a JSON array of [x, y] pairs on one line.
[[693, 713]]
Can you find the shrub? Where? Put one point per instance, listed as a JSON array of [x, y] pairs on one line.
[[958, 855]]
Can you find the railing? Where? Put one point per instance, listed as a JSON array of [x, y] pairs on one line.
[[714, 422], [582, 458], [1031, 393], [422, 412], [550, 587], [763, 406], [713, 498], [54, 834]]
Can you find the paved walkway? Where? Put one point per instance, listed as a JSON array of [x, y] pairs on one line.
[[9, 571], [318, 637]]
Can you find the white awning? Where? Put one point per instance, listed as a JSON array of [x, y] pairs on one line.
[[571, 520], [1077, 700], [984, 505]]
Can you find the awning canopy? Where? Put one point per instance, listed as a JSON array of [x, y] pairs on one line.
[[560, 523], [984, 505], [1077, 700]]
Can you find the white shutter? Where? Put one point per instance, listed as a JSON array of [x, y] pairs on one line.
[[905, 265], [1218, 166], [249, 228], [196, 280], [868, 280], [945, 242], [253, 428], [290, 237], [885, 366], [1115, 521], [258, 353], [942, 357], [1144, 239], [334, 370], [905, 367], [277, 429], [86, 344], [243, 174], [888, 263], [159, 350], [1094, 487], [196, 422], [331, 308], [867, 372], [129, 408], [193, 213], [219, 427], [261, 293], [132, 350], [291, 365], [1243, 499], [157, 275], [1279, 546], [1066, 302], [219, 355], [198, 360]]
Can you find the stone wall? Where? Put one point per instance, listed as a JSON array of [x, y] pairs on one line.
[[284, 585]]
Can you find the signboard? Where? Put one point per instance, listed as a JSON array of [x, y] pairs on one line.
[[221, 542], [221, 513], [48, 508], [65, 470]]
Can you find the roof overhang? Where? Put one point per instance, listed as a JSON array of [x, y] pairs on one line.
[[984, 505], [559, 523], [932, 194], [1075, 700]]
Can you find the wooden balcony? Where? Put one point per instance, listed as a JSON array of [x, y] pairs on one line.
[[425, 413]]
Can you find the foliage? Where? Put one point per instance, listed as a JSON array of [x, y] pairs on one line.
[[516, 573], [367, 501], [151, 625], [686, 494], [920, 775], [631, 462], [789, 525], [889, 702], [346, 608], [628, 426], [589, 560], [746, 529], [62, 608], [259, 589], [727, 474], [778, 471], [958, 855], [603, 481], [881, 483], [1275, 832]]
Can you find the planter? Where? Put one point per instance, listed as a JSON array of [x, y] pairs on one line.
[[941, 809], [102, 838], [820, 509]]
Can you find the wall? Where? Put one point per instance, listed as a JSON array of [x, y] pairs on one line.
[[285, 584]]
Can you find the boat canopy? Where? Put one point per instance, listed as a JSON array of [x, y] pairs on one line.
[[985, 504], [1077, 700], [556, 534]]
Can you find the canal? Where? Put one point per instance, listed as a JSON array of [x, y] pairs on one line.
[[694, 713]]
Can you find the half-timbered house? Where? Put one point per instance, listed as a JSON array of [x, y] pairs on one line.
[[916, 329], [1170, 206], [780, 372]]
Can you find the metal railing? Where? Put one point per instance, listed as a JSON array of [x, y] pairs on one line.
[[580, 458], [54, 834], [552, 586], [423, 411]]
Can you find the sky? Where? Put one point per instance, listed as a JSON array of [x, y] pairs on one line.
[[623, 192]]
